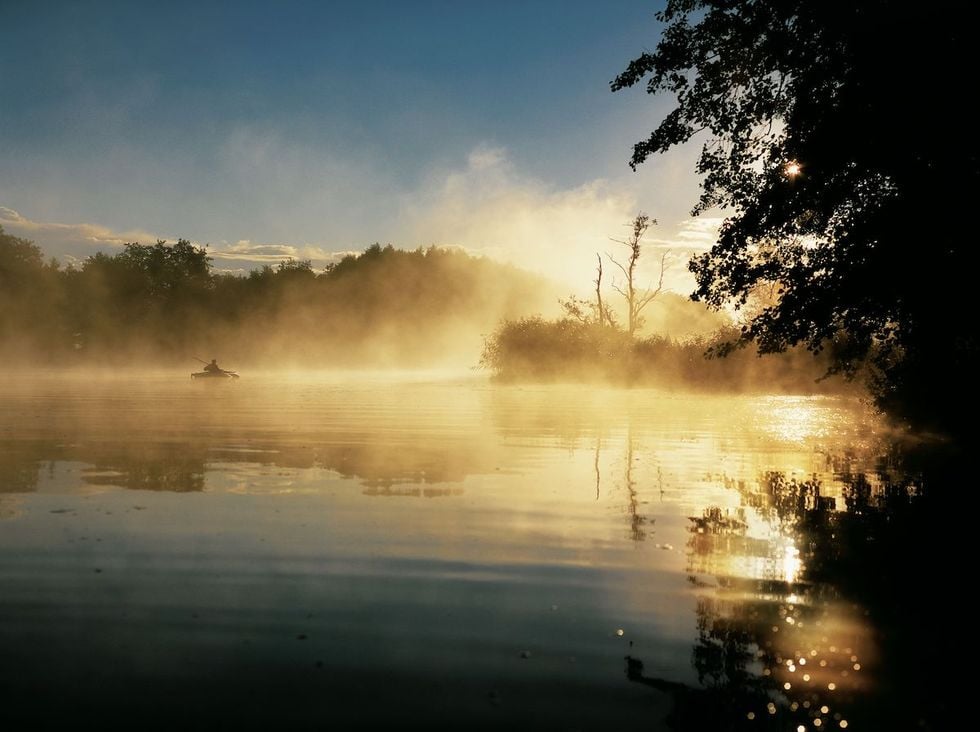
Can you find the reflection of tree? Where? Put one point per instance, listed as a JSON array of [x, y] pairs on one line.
[[755, 666], [789, 646], [381, 464], [382, 467], [785, 645], [412, 491], [722, 654], [9, 506], [136, 465], [636, 519], [595, 465], [791, 499], [175, 467], [19, 467], [385, 467], [693, 709], [717, 535]]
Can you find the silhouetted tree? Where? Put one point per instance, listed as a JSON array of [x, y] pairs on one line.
[[636, 299], [16, 257], [30, 299], [838, 138], [298, 270], [602, 310], [168, 269]]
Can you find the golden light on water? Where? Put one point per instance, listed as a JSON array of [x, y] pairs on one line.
[[427, 439], [792, 567], [796, 419]]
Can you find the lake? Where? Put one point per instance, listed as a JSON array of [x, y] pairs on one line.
[[400, 550]]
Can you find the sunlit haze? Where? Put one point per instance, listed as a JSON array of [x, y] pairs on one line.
[[472, 365]]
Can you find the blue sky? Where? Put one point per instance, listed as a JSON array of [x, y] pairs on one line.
[[308, 129]]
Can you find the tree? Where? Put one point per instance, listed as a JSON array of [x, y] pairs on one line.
[[636, 299], [838, 138], [168, 270], [603, 312], [17, 256], [29, 298], [586, 312]]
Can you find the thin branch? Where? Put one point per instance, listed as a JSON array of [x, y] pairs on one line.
[[621, 267]]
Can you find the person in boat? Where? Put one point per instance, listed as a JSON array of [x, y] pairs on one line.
[[213, 367]]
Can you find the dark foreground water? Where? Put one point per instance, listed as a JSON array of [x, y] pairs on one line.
[[323, 552]]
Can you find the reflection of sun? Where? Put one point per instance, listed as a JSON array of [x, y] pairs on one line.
[[794, 419], [792, 565]]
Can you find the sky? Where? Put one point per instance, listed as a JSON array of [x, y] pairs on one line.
[[313, 129]]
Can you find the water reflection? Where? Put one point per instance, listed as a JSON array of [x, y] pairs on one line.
[[603, 560], [19, 467], [783, 609], [381, 468]]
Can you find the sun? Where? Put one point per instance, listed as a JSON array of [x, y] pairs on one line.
[[792, 169]]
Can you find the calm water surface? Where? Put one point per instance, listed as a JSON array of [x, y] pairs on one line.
[[318, 551]]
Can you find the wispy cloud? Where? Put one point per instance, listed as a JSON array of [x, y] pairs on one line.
[[489, 207], [689, 237], [485, 205], [697, 234], [72, 243], [69, 242], [247, 251]]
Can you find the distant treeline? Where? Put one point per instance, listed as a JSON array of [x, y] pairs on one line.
[[570, 349], [166, 302]]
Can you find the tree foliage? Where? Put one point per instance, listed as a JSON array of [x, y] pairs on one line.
[[28, 294], [165, 302], [838, 138], [573, 349]]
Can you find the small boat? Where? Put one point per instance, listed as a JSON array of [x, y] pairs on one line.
[[214, 375]]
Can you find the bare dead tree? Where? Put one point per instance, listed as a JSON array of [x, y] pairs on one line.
[[600, 312], [637, 299], [589, 313], [604, 313]]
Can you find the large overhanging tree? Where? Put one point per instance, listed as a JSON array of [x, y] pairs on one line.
[[839, 142]]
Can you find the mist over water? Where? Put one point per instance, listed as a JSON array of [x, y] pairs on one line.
[[369, 549], [584, 440]]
